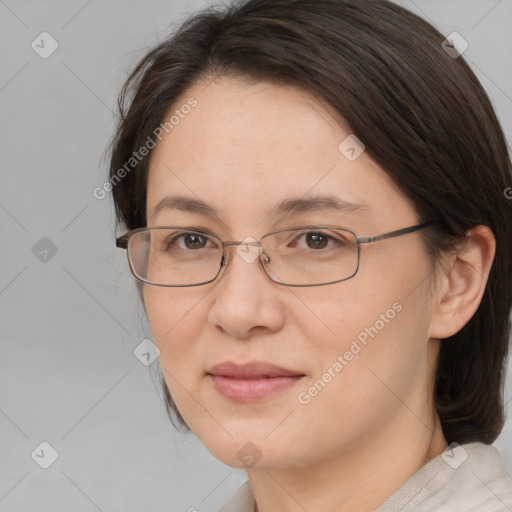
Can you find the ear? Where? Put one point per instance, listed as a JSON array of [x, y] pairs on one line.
[[461, 282]]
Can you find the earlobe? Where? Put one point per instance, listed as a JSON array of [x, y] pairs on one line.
[[461, 282]]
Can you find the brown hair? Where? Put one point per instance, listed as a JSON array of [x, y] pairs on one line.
[[422, 115]]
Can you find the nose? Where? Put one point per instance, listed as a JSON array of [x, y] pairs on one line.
[[246, 301]]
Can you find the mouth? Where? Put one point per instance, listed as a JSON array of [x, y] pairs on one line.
[[252, 381]]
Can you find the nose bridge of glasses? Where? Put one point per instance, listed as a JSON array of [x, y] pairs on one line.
[[240, 242], [248, 249]]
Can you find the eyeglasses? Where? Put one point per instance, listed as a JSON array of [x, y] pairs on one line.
[[300, 256]]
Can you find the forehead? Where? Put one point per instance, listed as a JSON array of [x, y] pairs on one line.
[[244, 147], [261, 119]]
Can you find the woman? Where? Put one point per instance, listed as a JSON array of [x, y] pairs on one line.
[[314, 199]]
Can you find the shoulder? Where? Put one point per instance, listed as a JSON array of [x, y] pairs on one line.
[[484, 484], [242, 501], [469, 477]]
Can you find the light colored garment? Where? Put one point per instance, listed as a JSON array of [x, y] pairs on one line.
[[464, 478]]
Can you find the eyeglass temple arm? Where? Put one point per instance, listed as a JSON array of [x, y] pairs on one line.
[[398, 232]]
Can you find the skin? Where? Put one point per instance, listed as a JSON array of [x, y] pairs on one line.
[[242, 149]]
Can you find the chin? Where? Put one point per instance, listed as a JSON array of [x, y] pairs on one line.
[[250, 450]]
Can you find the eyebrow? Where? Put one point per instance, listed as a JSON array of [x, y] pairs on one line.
[[314, 204], [285, 207]]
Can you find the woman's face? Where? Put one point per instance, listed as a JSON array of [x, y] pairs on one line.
[[359, 349]]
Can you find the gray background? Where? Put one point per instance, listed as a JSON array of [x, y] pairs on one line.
[[70, 324]]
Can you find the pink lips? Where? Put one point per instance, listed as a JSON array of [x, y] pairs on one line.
[[251, 381]]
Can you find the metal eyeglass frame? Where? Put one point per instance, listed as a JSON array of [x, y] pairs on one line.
[[122, 243]]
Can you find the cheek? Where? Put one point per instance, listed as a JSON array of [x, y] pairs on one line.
[[175, 325], [167, 308], [375, 334], [358, 375]]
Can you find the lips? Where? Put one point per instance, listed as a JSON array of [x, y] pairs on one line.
[[251, 381], [250, 371]]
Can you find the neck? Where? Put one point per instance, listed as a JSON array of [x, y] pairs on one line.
[[359, 478]]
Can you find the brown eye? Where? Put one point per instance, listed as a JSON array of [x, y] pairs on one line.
[[194, 241], [185, 241], [317, 240]]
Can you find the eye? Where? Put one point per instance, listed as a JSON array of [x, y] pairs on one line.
[[192, 241], [315, 240]]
